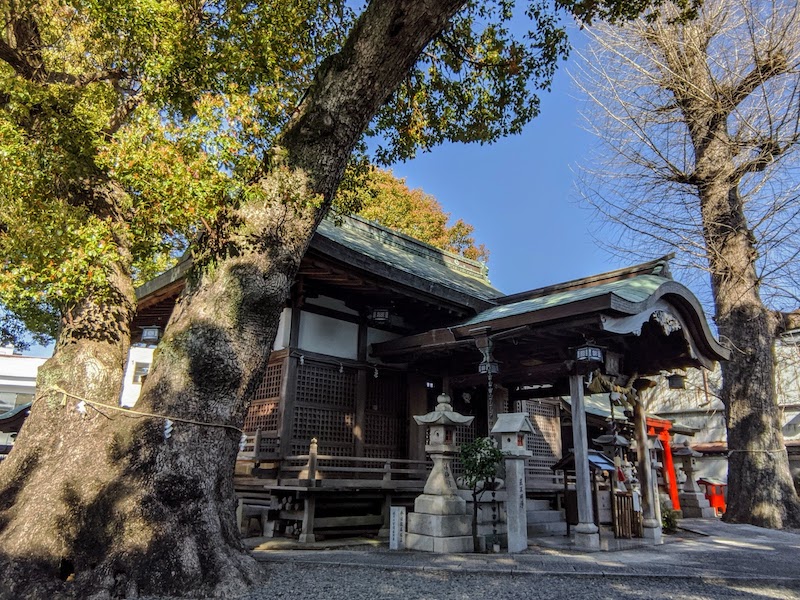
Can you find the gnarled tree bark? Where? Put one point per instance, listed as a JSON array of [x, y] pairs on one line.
[[131, 512]]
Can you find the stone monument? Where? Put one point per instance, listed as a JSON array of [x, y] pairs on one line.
[[440, 522], [513, 429], [694, 503]]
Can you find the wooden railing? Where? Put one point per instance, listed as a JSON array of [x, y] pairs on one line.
[[543, 479], [260, 446], [323, 470]]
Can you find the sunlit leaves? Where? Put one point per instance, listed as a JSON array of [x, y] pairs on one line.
[[381, 197], [171, 105]]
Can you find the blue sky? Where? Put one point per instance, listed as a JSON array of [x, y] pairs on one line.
[[519, 195]]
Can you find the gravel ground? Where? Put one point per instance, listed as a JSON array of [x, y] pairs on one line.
[[309, 581]]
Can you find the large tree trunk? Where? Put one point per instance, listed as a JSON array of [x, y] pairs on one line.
[[152, 515], [760, 488], [60, 484]]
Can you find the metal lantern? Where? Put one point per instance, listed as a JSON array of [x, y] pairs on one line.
[[676, 381], [589, 353], [151, 334], [488, 366], [380, 315]]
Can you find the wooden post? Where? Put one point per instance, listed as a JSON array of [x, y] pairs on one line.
[[586, 532], [361, 390], [651, 525], [257, 448], [289, 385], [312, 462], [386, 514], [307, 533], [417, 405]]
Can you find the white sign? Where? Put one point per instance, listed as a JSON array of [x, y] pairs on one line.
[[397, 527]]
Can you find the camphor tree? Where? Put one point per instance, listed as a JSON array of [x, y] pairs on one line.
[[128, 123], [699, 122]]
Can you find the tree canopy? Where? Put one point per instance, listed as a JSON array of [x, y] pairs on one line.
[[381, 197], [176, 107]]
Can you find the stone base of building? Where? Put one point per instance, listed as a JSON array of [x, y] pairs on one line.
[[587, 541], [652, 534]]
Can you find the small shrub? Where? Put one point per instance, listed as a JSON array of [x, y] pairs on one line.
[[481, 459], [669, 519]]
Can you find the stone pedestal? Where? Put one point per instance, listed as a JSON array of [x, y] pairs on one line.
[[651, 512], [513, 429], [516, 507], [440, 522], [694, 505], [651, 530], [587, 535]]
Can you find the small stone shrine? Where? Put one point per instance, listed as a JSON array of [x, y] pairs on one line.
[[440, 522]]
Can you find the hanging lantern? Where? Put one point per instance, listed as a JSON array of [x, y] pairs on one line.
[[676, 381], [380, 315], [589, 353], [151, 334]]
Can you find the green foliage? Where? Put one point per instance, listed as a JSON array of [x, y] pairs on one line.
[[481, 79], [379, 196], [128, 126], [669, 519], [165, 106], [480, 459]]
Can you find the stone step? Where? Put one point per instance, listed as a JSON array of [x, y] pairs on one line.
[[544, 516], [538, 504], [547, 529]]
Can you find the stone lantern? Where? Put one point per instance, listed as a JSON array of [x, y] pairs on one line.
[[440, 522], [693, 502], [513, 429]]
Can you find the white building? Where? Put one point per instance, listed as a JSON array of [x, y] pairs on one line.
[[17, 383]]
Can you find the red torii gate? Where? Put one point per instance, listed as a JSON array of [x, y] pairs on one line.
[[661, 428]]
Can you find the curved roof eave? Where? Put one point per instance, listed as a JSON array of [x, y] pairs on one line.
[[690, 309], [626, 298]]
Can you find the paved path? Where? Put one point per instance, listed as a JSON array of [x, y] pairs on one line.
[[711, 560]]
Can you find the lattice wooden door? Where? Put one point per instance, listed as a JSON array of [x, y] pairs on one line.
[[386, 417], [325, 408], [544, 443]]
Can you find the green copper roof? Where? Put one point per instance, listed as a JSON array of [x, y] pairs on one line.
[[410, 255], [635, 289]]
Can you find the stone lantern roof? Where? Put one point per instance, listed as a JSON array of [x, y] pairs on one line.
[[513, 423], [443, 414]]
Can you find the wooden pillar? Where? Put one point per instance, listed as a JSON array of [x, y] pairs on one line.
[[651, 527], [417, 405], [307, 532], [361, 390], [289, 385], [586, 533]]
